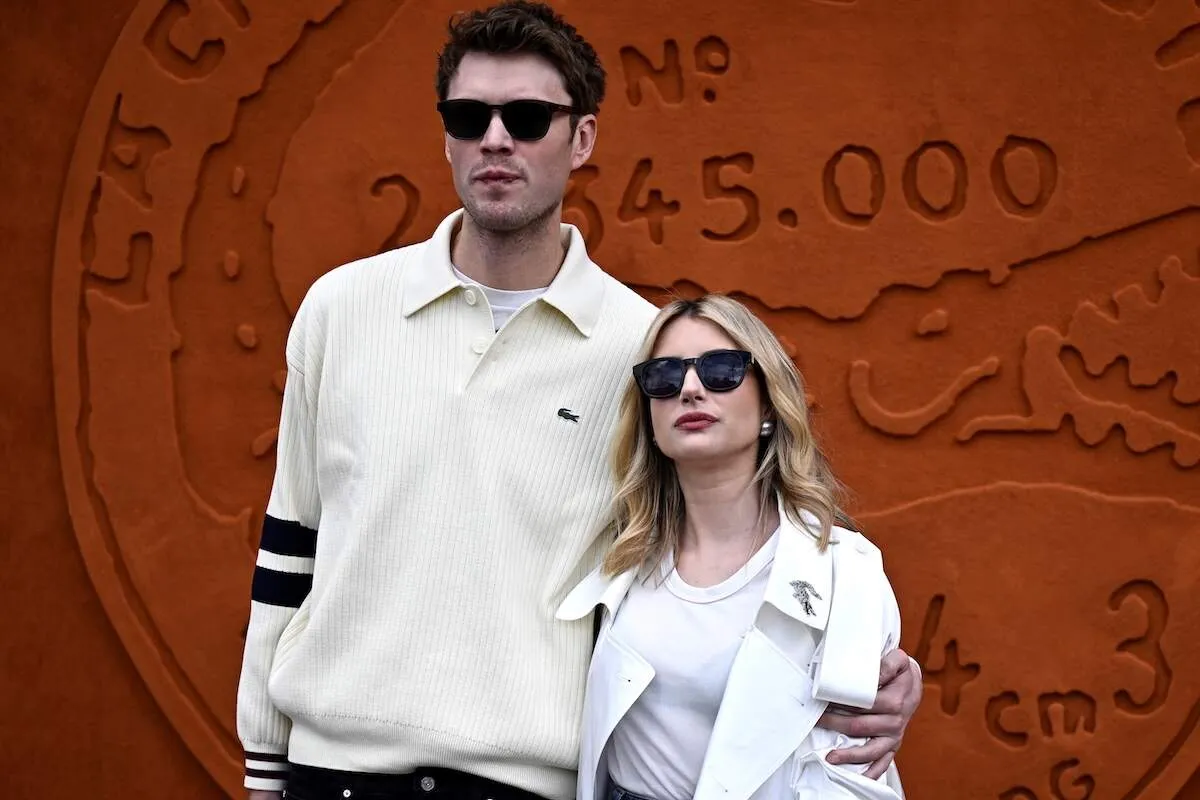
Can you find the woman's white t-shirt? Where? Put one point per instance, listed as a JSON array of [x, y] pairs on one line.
[[690, 637]]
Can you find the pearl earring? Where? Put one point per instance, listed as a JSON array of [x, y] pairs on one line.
[[768, 427]]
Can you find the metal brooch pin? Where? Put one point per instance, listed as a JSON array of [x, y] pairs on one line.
[[803, 591]]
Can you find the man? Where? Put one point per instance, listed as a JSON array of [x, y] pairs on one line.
[[442, 475]]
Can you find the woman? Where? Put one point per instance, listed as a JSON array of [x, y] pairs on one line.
[[735, 609]]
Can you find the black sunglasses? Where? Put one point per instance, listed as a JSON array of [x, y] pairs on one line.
[[525, 120], [718, 370]]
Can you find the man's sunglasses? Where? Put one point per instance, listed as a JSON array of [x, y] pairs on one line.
[[718, 370], [525, 120]]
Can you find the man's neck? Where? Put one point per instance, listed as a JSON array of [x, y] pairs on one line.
[[510, 260]]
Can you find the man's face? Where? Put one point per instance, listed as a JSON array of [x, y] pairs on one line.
[[505, 184]]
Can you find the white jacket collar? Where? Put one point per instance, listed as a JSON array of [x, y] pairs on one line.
[[596, 589], [800, 583]]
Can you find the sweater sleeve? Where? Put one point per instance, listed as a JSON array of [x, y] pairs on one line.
[[282, 574]]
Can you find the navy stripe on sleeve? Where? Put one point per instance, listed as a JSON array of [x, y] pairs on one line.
[[280, 588], [286, 538]]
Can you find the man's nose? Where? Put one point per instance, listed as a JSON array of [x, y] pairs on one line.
[[496, 137]]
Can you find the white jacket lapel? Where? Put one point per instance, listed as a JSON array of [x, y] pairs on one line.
[[801, 580], [616, 678], [767, 712], [768, 708]]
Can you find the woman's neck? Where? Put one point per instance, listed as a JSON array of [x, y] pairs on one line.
[[724, 523]]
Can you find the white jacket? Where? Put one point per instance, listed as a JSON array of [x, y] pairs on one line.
[[791, 665]]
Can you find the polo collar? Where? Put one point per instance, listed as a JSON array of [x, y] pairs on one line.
[[576, 291]]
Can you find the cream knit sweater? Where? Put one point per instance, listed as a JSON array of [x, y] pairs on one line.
[[439, 488]]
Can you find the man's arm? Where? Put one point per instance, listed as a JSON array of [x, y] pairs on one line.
[[282, 578]]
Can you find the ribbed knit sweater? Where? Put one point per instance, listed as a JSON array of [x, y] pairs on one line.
[[439, 488]]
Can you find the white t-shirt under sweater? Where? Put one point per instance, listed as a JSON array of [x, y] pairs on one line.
[[504, 303], [690, 636], [439, 488]]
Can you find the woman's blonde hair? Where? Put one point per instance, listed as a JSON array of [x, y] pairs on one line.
[[649, 502]]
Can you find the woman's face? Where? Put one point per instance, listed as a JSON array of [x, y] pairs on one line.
[[699, 425]]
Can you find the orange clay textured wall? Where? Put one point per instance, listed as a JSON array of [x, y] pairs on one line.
[[975, 224]]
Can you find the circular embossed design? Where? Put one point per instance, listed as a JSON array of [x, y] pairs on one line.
[[974, 224]]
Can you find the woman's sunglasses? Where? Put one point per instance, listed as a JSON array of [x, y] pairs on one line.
[[718, 370], [525, 120]]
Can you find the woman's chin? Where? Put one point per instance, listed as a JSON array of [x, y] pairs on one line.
[[698, 450]]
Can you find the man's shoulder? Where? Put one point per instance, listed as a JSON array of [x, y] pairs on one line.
[[627, 306], [346, 279]]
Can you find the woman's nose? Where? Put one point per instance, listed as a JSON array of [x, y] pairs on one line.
[[692, 387]]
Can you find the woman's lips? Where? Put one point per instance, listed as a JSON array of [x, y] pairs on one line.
[[695, 421]]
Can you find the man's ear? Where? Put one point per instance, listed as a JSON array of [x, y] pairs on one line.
[[584, 141]]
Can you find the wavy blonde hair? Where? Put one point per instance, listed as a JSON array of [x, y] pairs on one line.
[[649, 504]]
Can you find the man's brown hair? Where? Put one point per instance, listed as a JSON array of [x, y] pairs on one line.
[[519, 26]]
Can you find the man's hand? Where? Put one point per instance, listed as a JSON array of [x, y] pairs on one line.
[[899, 695], [263, 794]]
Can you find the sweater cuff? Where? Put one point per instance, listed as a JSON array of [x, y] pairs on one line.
[[266, 771]]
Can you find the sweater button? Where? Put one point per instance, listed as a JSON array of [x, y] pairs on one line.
[[427, 784], [469, 296], [480, 344]]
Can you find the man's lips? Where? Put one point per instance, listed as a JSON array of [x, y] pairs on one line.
[[497, 176], [695, 421]]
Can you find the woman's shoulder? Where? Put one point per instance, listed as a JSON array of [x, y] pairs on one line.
[[840, 536], [854, 540]]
